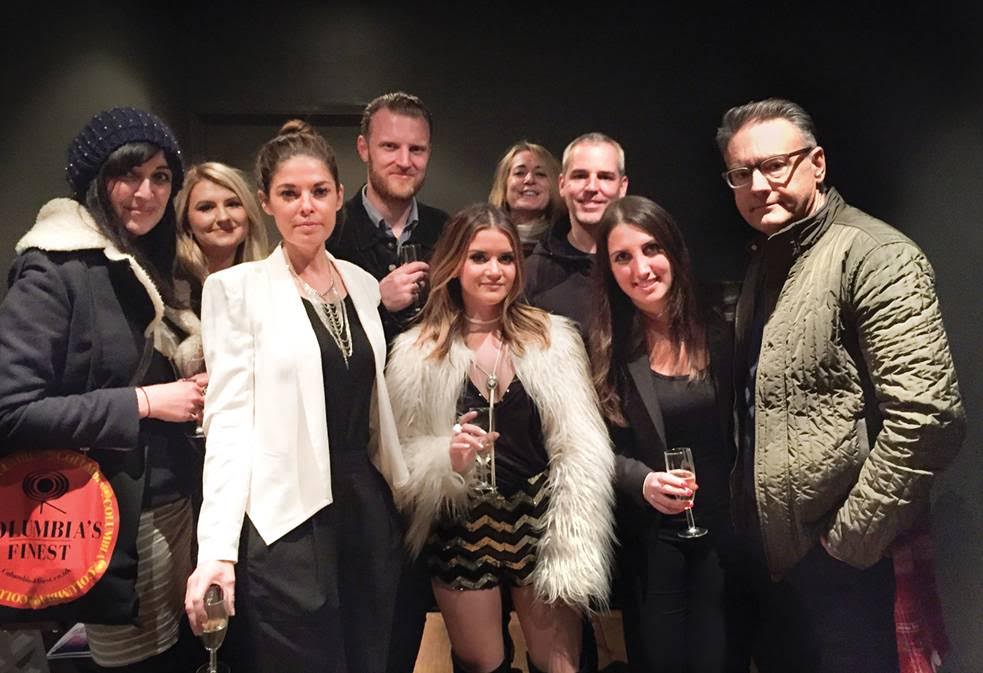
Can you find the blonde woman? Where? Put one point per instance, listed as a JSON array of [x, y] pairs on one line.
[[546, 534], [219, 225], [526, 186]]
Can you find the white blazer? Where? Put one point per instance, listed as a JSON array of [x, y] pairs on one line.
[[267, 449]]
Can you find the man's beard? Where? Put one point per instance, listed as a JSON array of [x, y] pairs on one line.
[[381, 186]]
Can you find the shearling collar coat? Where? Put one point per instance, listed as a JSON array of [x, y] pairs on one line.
[[574, 553], [73, 327]]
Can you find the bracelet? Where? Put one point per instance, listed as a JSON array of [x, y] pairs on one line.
[[146, 398]]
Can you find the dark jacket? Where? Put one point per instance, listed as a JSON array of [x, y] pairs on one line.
[[640, 446], [361, 242], [558, 277], [73, 328]]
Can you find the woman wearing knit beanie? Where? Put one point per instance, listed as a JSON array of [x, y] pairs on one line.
[[85, 363]]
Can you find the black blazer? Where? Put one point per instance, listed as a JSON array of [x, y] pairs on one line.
[[359, 241], [640, 446]]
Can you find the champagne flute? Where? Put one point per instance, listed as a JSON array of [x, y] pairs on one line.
[[679, 462], [216, 625], [483, 476], [413, 252]]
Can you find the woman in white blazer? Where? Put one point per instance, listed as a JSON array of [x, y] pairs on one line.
[[298, 522]]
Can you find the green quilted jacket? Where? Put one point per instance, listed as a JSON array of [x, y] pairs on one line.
[[857, 407]]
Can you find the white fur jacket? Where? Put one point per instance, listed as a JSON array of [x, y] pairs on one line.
[[574, 553]]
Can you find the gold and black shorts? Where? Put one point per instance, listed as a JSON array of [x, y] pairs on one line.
[[494, 542]]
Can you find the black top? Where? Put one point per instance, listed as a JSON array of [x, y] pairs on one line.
[[171, 463], [558, 277], [520, 452], [170, 468], [689, 411], [347, 390]]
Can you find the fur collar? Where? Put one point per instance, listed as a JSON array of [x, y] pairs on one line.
[[64, 225]]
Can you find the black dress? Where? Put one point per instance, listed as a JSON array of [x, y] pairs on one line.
[[321, 597]]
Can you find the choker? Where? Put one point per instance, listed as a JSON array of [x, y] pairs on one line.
[[477, 321]]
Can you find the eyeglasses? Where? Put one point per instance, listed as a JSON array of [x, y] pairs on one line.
[[775, 169]]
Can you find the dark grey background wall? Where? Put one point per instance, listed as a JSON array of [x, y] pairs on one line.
[[897, 94]]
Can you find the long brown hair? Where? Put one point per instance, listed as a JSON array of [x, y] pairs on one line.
[[614, 333], [442, 319]]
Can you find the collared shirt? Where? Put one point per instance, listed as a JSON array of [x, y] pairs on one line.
[[411, 220]]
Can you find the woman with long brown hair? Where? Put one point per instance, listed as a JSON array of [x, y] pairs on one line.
[[661, 368], [541, 527]]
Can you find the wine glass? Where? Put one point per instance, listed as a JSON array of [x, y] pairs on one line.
[[679, 462], [413, 252], [216, 625]]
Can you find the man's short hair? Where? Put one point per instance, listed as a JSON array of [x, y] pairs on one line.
[[397, 102], [763, 110], [593, 138]]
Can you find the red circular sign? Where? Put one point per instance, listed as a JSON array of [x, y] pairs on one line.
[[59, 521]]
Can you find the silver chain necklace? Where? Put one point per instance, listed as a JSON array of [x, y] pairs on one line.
[[330, 309]]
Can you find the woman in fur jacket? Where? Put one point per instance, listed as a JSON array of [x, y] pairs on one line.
[[510, 464]]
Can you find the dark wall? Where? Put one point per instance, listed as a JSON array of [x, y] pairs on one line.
[[897, 95]]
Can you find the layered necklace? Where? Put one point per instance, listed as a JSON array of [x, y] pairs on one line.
[[330, 309]]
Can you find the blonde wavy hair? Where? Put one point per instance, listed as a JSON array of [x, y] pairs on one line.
[[442, 319], [190, 258], [555, 206]]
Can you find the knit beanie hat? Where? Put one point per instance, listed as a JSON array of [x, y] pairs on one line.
[[108, 131]]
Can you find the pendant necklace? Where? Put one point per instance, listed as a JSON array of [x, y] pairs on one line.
[[491, 379]]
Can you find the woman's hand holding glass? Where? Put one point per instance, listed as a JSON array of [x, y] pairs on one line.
[[467, 441], [177, 402], [205, 575], [668, 493]]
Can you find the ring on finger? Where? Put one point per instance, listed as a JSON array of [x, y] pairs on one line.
[[457, 429]]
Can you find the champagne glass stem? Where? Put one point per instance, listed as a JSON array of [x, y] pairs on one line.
[[491, 429], [212, 661], [690, 519]]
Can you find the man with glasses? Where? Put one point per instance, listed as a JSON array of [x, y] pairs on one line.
[[848, 405]]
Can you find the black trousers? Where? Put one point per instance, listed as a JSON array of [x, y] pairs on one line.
[[823, 617], [414, 597], [672, 601], [319, 599]]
